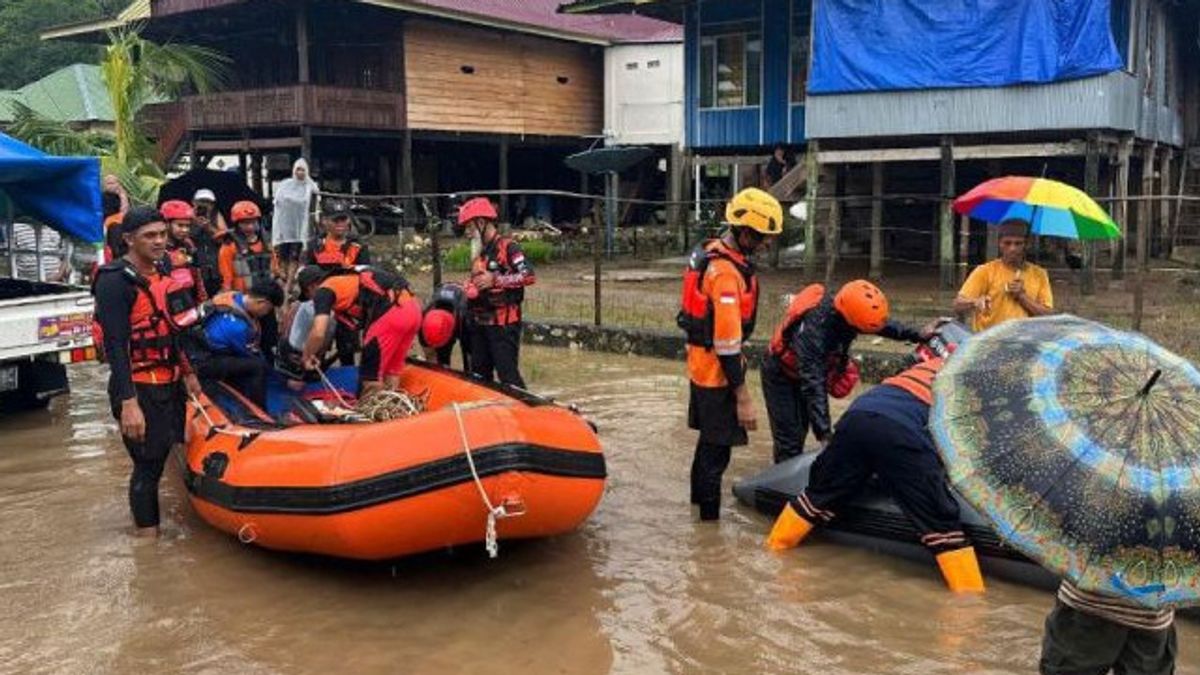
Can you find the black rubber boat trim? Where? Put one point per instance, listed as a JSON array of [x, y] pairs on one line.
[[397, 485]]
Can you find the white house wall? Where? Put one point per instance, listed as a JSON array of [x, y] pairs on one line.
[[643, 101]]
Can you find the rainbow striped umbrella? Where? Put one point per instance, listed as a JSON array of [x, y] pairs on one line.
[[1054, 209]]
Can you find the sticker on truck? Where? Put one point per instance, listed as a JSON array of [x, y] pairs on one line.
[[64, 326]]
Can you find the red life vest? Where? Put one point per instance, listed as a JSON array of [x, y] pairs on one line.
[[780, 346], [152, 335], [345, 255], [500, 306], [696, 311], [918, 380]]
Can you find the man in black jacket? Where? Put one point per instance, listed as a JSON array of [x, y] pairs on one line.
[[814, 338]]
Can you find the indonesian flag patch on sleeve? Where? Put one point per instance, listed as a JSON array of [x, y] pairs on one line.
[[729, 298]]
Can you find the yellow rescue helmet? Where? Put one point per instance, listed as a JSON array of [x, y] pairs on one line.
[[757, 210]]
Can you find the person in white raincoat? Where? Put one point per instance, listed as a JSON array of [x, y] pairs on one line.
[[290, 224]]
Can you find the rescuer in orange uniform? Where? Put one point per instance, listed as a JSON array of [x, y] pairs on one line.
[[718, 309]]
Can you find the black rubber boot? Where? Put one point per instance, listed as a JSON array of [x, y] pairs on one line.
[[710, 511]]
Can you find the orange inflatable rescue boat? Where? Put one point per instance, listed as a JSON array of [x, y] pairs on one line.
[[483, 463]]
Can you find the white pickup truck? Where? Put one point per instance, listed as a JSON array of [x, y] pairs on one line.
[[43, 327]]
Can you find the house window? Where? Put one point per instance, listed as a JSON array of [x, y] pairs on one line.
[[730, 70], [1121, 19], [801, 34]]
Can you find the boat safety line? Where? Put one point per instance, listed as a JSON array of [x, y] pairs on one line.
[[330, 387], [494, 512], [214, 428]]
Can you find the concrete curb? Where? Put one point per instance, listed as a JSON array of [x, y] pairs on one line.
[[874, 365]]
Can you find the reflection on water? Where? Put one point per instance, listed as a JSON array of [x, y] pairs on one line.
[[643, 588]]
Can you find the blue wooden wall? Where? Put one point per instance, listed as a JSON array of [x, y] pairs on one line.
[[776, 120]]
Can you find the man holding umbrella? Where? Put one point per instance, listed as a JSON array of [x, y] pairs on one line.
[[1008, 287]]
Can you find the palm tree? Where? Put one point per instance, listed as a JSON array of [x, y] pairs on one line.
[[136, 72]]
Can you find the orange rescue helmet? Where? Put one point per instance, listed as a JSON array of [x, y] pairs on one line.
[[176, 209], [862, 305], [245, 210], [479, 207], [437, 328]]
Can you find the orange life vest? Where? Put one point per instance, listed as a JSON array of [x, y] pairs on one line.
[[152, 348], [330, 254], [918, 380], [780, 346], [356, 290], [696, 311], [498, 306]]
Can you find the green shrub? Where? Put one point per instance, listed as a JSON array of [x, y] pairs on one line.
[[458, 257]]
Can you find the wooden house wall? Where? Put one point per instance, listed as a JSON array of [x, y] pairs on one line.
[[517, 85]]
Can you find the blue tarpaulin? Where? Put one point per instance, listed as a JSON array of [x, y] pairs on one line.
[[879, 45], [63, 192]]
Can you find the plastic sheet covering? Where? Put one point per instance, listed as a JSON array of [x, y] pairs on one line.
[[63, 192], [879, 45]]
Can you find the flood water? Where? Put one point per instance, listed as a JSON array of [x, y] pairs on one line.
[[641, 588]]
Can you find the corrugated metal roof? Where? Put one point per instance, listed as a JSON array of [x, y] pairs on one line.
[[72, 94], [544, 14]]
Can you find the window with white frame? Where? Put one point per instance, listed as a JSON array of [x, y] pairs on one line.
[[731, 69]]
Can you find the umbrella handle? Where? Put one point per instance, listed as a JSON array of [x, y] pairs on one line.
[[1151, 382]]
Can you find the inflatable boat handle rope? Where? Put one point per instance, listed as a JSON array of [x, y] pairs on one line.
[[218, 428], [330, 387], [494, 512]]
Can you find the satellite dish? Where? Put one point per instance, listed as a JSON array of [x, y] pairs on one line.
[[611, 159]]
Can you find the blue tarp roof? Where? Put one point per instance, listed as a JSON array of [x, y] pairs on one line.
[[63, 192], [876, 45]]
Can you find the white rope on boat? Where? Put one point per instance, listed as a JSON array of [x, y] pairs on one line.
[[494, 512], [330, 387], [213, 425]]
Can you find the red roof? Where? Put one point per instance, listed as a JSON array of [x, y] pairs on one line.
[[544, 14]]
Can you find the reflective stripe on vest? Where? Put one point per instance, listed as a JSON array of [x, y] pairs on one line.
[[918, 380]]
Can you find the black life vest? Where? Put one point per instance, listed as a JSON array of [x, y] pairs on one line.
[[250, 266]]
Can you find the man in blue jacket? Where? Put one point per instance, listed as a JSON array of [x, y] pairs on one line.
[[226, 346]]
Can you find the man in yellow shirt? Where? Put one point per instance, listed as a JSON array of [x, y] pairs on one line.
[[1008, 287]]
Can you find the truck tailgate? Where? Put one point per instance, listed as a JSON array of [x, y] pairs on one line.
[[45, 323]]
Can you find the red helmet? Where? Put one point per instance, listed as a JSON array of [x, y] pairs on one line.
[[437, 328], [245, 210], [176, 209], [479, 207], [862, 305]]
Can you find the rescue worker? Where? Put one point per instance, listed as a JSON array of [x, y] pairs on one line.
[[145, 365], [810, 351], [494, 291], [884, 433], [336, 248], [245, 257], [444, 324], [358, 300], [114, 245], [181, 249], [226, 343], [208, 234], [719, 305]]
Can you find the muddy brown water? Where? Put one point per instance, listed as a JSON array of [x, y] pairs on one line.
[[641, 588]]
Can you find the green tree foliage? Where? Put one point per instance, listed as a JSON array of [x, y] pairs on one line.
[[24, 56]]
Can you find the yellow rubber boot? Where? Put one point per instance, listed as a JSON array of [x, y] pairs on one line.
[[790, 529], [960, 569]]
